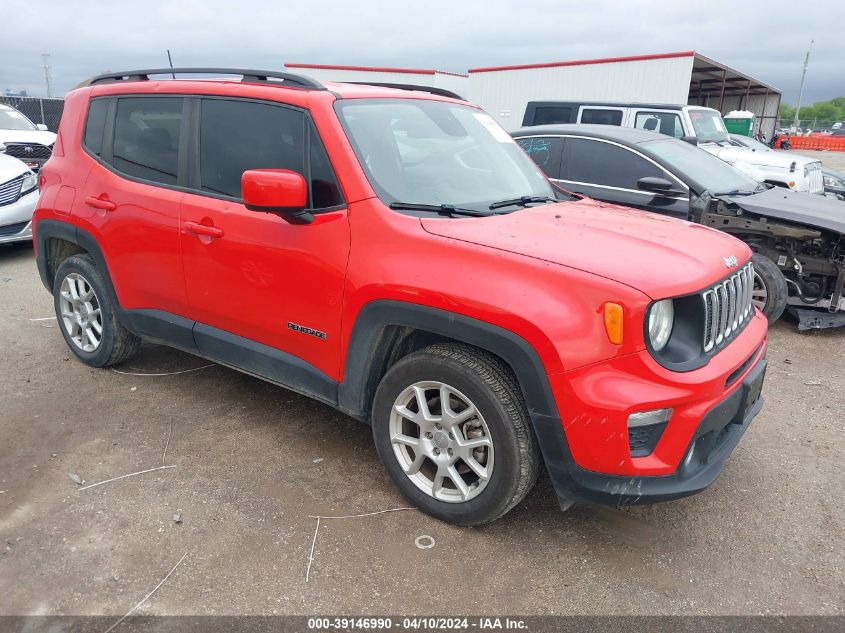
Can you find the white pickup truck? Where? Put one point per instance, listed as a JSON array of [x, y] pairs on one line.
[[792, 171]]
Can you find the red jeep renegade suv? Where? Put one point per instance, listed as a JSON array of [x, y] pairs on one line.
[[395, 254]]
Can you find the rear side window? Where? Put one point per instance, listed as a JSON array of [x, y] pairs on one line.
[[600, 163], [95, 125], [146, 138], [236, 136], [545, 151], [662, 122], [548, 115], [601, 117]]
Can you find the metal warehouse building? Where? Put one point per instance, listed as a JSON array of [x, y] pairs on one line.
[[676, 78]]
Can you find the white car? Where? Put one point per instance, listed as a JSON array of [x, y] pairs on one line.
[[23, 139], [18, 196]]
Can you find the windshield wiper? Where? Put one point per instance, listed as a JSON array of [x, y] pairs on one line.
[[442, 209], [736, 192], [522, 201]]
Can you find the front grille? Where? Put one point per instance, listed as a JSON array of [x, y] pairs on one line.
[[10, 191], [12, 229], [28, 151], [816, 177], [727, 306]]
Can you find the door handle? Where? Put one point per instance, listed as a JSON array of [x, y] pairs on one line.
[[202, 229], [99, 203]]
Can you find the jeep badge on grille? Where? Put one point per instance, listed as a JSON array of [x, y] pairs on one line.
[[730, 262]]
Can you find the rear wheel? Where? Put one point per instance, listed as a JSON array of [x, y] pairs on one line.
[[87, 316], [770, 291], [452, 431]]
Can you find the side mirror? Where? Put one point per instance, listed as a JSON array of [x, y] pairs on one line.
[[41, 127], [656, 185], [692, 140], [276, 191]]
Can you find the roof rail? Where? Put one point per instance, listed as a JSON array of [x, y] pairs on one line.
[[435, 91], [253, 76]]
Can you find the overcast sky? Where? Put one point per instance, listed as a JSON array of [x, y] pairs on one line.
[[766, 40]]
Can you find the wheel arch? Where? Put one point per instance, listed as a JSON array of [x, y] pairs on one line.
[[386, 330], [56, 241]]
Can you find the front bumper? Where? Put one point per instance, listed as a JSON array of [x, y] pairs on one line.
[[592, 457], [16, 219], [718, 433]]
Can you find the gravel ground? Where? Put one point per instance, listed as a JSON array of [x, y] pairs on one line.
[[253, 461], [833, 160]]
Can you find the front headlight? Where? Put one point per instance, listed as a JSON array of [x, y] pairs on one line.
[[830, 181], [661, 318], [29, 183], [2, 148]]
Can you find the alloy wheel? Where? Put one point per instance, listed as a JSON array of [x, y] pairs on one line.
[[441, 441], [759, 293], [80, 312]]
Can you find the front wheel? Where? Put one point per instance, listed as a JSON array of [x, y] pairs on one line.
[[451, 428], [770, 291]]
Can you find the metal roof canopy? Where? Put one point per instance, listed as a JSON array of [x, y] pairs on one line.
[[711, 79]]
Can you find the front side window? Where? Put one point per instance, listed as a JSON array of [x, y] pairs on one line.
[[545, 151], [236, 136], [434, 153], [11, 119], [146, 138], [662, 122], [601, 116], [597, 162], [708, 125]]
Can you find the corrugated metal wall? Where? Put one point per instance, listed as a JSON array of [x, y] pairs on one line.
[[505, 93], [766, 119]]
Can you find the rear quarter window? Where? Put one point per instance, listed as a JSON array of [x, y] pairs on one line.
[[95, 125]]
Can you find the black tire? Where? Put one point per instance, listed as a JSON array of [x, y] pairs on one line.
[[492, 389], [117, 344], [774, 283]]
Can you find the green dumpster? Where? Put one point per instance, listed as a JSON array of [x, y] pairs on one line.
[[740, 122]]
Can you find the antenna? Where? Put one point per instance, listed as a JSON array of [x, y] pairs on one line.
[[170, 61], [801, 89], [45, 58]]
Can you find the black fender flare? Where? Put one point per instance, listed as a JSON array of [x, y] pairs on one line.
[[56, 229], [366, 345]]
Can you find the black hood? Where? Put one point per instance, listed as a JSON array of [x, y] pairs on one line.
[[820, 212]]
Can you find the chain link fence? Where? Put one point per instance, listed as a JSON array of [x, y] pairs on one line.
[[46, 111], [807, 125]]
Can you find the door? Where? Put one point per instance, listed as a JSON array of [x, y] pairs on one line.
[[608, 171], [254, 277], [131, 199]]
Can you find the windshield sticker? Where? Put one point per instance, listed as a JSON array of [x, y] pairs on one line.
[[494, 128]]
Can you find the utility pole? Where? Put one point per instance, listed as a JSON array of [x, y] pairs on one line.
[[801, 89], [45, 57]]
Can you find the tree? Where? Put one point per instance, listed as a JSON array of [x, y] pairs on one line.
[[824, 112]]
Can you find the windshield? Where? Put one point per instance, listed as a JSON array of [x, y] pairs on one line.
[[708, 125], [438, 153], [711, 173], [11, 119]]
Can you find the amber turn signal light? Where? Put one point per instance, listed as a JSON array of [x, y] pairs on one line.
[[613, 314]]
